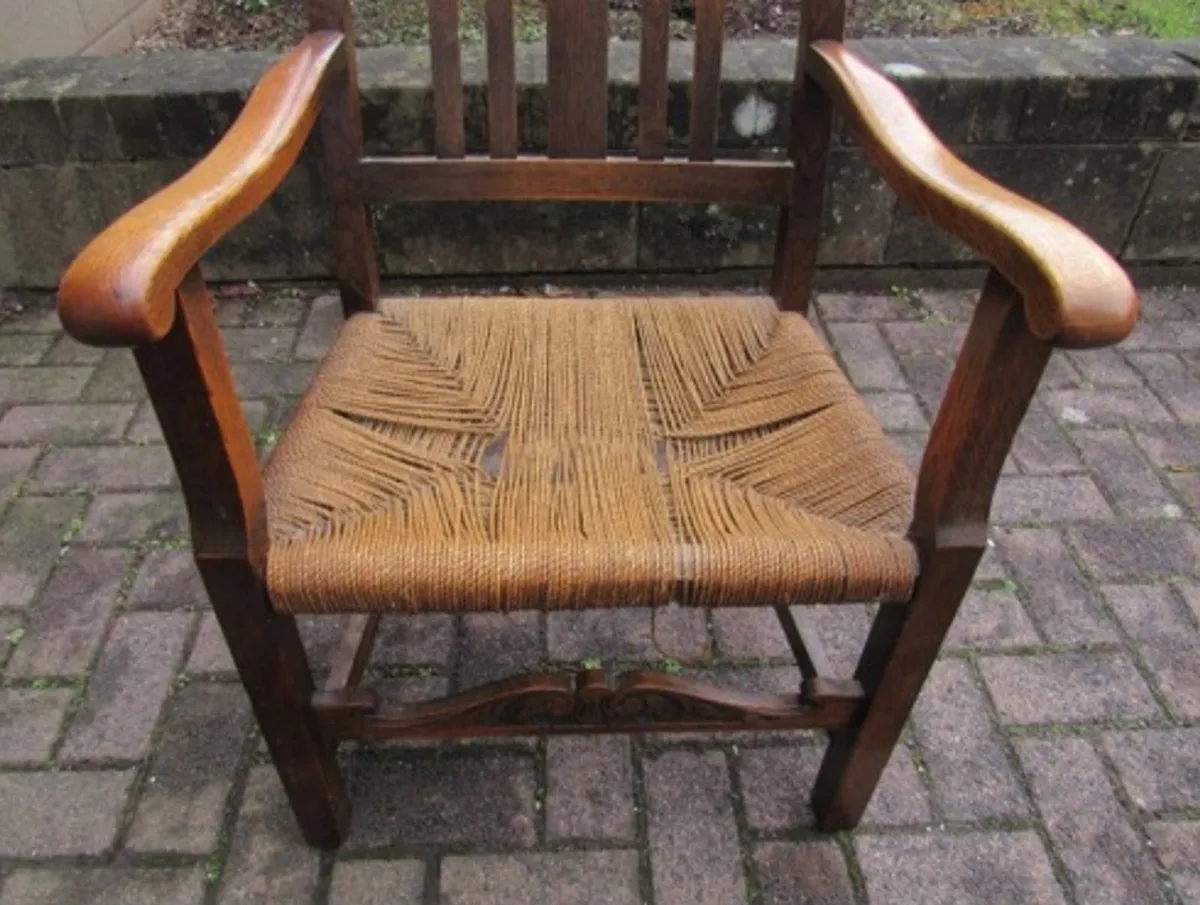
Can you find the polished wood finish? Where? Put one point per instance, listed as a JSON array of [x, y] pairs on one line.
[[192, 391], [705, 100], [542, 179], [577, 71], [994, 380], [560, 703], [1075, 294], [120, 290], [810, 132], [502, 79], [446, 58], [341, 138], [652, 79]]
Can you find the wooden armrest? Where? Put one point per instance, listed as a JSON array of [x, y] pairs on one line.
[[1075, 294], [120, 289]]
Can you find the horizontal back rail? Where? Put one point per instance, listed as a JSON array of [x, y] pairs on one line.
[[546, 179]]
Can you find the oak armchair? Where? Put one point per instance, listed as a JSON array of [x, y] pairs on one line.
[[465, 454]]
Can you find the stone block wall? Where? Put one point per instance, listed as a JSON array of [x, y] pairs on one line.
[[1105, 131]]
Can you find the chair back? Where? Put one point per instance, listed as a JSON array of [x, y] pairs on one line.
[[577, 164]]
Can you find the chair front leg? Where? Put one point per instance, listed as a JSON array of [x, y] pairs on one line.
[[192, 391], [994, 380], [273, 666]]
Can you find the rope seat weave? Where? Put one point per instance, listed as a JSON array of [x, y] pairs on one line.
[[510, 453]]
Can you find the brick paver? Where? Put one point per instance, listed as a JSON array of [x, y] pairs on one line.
[[968, 770], [1071, 688], [776, 783], [168, 578], [1054, 757], [812, 872], [105, 886], [589, 789], [694, 850], [127, 689], [1178, 846], [633, 634], [49, 813], [485, 802], [986, 868], [68, 624], [29, 723], [267, 860], [210, 654], [114, 518], [31, 532], [1160, 769], [192, 770], [1105, 857], [64, 423], [575, 878], [371, 882]]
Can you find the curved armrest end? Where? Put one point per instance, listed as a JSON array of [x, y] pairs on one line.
[[1076, 295], [119, 291], [108, 296]]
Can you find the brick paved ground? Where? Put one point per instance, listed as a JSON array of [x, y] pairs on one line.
[[1054, 756]]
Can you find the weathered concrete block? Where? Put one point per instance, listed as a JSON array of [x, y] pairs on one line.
[[859, 207], [705, 236], [755, 94], [858, 212], [195, 105], [28, 121], [1154, 90], [900, 60], [287, 238], [951, 109], [470, 238], [1099, 188], [1169, 225], [1059, 120], [84, 130], [1067, 99], [1002, 98], [397, 105], [51, 214]]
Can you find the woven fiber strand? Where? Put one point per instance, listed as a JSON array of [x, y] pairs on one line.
[[483, 454]]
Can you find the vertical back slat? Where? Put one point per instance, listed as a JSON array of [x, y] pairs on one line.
[[811, 129], [578, 76], [502, 79], [341, 136], [652, 82], [448, 135], [706, 79]]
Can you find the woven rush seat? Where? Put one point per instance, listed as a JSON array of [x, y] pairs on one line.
[[500, 453]]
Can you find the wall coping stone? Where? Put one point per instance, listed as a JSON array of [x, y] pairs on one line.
[[970, 90], [1104, 130]]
